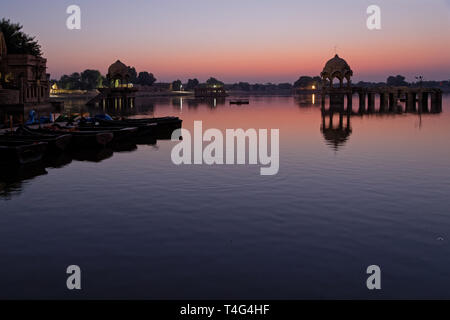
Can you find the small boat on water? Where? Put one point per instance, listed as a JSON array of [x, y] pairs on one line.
[[119, 134], [239, 102], [21, 152], [161, 120], [137, 130], [55, 144], [80, 139], [163, 126]]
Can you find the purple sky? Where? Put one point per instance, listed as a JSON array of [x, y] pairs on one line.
[[248, 40]]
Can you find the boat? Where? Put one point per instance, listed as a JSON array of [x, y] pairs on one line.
[[120, 133], [80, 139], [55, 144], [239, 102], [21, 152], [143, 129], [162, 127], [12, 177]]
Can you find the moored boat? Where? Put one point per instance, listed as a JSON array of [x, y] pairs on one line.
[[143, 129], [162, 127], [21, 152], [120, 134], [54, 143], [80, 139]]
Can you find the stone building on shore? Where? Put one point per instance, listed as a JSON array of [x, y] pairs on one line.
[[23, 79]]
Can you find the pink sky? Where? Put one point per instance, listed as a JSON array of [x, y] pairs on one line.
[[251, 40]]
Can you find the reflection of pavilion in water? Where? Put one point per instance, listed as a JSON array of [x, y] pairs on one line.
[[306, 100], [336, 135], [142, 106], [181, 102]]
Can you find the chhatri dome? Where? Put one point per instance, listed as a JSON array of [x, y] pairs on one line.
[[337, 68], [118, 71]]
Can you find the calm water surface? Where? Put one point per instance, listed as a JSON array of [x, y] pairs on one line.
[[141, 227]]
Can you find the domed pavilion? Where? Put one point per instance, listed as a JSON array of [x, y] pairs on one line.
[[120, 92], [337, 68], [118, 74]]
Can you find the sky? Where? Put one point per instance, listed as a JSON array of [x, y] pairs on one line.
[[241, 40]]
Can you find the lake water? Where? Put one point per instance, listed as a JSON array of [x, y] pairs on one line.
[[141, 227]]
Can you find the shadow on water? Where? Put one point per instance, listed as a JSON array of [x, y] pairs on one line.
[[336, 135], [12, 178]]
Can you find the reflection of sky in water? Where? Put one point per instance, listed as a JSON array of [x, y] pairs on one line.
[[161, 231]]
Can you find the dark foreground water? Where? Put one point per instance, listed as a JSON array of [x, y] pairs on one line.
[[141, 227]]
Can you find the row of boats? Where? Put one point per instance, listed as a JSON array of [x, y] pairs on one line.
[[28, 144]]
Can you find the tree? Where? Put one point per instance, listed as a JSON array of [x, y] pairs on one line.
[[176, 85], [213, 81], [397, 81], [306, 82], [192, 84], [303, 82], [146, 79], [285, 86], [17, 41], [133, 75], [244, 86], [72, 82], [91, 79]]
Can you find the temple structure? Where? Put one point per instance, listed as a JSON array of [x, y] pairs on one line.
[[23, 78], [417, 99], [120, 92], [336, 68]]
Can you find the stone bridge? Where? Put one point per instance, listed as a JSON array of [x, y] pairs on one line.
[[416, 99]]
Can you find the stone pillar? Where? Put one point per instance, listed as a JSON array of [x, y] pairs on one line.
[[371, 102], [362, 102], [384, 102], [337, 100], [392, 102], [436, 102], [349, 102], [423, 102], [410, 101]]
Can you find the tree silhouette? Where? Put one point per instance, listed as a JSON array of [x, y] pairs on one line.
[[18, 42], [213, 81], [146, 78]]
